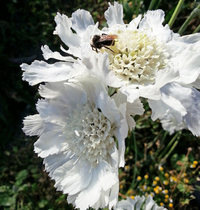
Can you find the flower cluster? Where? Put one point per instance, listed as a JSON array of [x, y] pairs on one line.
[[90, 98]]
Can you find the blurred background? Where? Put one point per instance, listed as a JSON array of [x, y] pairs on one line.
[[26, 25]]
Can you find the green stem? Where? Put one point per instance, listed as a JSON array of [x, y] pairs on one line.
[[163, 139], [168, 146], [176, 12], [170, 151], [197, 29], [138, 7], [151, 5], [194, 13], [135, 168]]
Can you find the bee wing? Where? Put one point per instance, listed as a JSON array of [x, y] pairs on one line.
[[106, 37]]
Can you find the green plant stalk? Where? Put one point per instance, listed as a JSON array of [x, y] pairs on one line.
[[176, 12], [194, 13], [151, 5], [170, 151], [168, 146], [156, 153], [138, 7], [135, 168], [197, 29]]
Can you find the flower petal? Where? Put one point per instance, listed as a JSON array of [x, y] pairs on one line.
[[81, 19], [114, 14], [47, 54], [63, 30], [40, 71]]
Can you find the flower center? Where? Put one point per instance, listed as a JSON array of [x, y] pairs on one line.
[[89, 134], [137, 57]]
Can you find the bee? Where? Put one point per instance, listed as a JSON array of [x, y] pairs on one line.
[[104, 40]]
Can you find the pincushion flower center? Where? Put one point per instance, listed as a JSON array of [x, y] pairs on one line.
[[136, 57], [89, 134]]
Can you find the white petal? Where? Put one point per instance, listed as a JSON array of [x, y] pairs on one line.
[[133, 25], [81, 19], [152, 23], [47, 54], [52, 162], [49, 143], [74, 177], [98, 65], [40, 71], [114, 14], [33, 125], [63, 30]]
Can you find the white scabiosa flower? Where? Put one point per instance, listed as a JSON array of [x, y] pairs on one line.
[[79, 127], [140, 203], [148, 60]]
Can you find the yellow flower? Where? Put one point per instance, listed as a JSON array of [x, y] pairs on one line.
[[166, 175], [157, 178], [161, 204], [165, 200], [166, 196], [165, 191], [132, 197], [154, 183], [160, 168], [186, 181], [171, 205], [146, 176], [139, 178], [165, 182], [193, 166], [195, 162]]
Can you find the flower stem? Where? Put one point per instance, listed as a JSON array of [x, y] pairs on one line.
[[197, 29], [135, 168], [194, 13], [170, 151], [151, 5], [169, 145], [176, 12]]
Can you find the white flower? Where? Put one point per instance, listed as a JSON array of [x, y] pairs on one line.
[[148, 60], [137, 203], [78, 125]]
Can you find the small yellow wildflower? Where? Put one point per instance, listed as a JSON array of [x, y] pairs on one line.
[[195, 162], [193, 166], [152, 194], [139, 178], [156, 190], [127, 168], [154, 183], [132, 197], [166, 196], [166, 175], [121, 186], [161, 204], [130, 191], [165, 191], [146, 176], [184, 174], [165, 182], [165, 200], [171, 205], [144, 187], [157, 178], [186, 181], [173, 179], [160, 168]]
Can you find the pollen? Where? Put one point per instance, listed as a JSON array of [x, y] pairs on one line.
[[136, 57]]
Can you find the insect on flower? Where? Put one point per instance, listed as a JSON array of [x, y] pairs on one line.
[[104, 40]]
